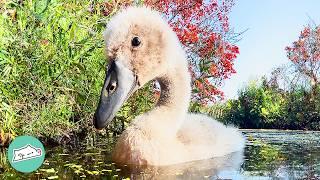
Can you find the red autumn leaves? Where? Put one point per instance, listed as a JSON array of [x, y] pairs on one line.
[[203, 29], [305, 53], [307, 47]]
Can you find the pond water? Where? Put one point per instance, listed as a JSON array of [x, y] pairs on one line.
[[269, 154]]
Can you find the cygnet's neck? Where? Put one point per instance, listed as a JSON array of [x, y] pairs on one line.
[[175, 91], [175, 83], [164, 121]]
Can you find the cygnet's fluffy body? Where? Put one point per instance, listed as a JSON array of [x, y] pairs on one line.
[[168, 134]]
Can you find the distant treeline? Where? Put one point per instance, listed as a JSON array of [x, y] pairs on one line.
[[263, 104]]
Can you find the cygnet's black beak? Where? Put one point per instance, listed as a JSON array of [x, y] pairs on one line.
[[118, 86]]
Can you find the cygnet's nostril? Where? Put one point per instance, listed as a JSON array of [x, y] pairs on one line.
[[112, 87]]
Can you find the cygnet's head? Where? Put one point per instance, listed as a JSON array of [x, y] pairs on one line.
[[138, 46]]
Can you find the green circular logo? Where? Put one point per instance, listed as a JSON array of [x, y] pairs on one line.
[[26, 154]]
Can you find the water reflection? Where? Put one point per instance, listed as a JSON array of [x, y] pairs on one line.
[[268, 155], [282, 154], [211, 168]]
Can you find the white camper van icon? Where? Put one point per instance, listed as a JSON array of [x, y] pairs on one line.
[[25, 153]]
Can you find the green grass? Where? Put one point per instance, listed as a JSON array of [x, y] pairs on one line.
[[51, 65]]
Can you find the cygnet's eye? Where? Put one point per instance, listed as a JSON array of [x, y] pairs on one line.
[[135, 42]]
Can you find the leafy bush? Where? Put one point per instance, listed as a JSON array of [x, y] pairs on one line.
[[51, 65], [260, 105]]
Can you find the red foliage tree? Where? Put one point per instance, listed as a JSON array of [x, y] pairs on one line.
[[203, 29], [305, 54]]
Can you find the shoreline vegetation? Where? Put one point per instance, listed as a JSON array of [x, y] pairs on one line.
[[263, 105], [52, 68]]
